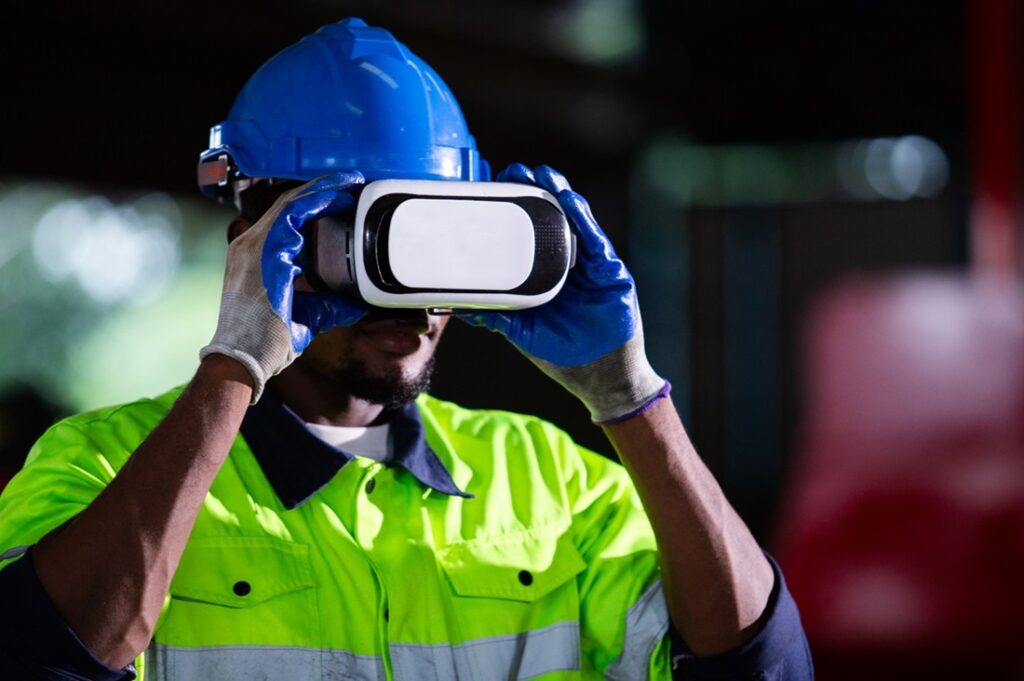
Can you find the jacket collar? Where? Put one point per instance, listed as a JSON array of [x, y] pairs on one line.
[[298, 464]]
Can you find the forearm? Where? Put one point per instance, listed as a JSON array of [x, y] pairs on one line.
[[108, 570], [717, 580]]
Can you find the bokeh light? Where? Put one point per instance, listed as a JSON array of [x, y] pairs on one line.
[[105, 298]]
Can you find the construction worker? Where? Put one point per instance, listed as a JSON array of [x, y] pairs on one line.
[[303, 510]]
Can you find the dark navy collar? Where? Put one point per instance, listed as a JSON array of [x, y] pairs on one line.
[[298, 463]]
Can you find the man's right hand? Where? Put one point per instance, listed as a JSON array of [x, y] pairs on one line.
[[264, 323]]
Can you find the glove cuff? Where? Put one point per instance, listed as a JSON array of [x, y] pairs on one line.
[[615, 386], [251, 334], [246, 360], [665, 391]]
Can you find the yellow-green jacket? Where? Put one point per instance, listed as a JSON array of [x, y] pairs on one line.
[[490, 547]]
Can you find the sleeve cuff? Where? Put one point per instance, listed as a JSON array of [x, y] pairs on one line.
[[779, 651], [34, 637]]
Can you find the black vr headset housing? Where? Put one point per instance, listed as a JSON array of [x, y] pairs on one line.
[[446, 245]]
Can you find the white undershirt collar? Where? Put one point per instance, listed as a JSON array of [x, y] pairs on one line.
[[371, 442]]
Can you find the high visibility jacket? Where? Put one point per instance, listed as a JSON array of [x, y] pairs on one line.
[[523, 556]]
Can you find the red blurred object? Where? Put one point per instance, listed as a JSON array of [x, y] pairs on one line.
[[996, 206], [903, 540]]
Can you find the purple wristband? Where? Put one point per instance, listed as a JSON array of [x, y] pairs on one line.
[[664, 392]]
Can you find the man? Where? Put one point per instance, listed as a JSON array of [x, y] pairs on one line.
[[357, 528]]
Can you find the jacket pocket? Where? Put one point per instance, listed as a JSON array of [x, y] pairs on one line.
[[242, 591], [239, 572], [525, 566]]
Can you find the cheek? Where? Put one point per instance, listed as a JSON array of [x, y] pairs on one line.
[[330, 346]]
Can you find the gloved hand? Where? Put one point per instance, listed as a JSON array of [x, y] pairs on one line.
[[264, 323], [589, 337]]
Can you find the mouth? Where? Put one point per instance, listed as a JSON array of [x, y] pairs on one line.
[[398, 332]]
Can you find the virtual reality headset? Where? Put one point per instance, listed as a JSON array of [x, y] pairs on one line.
[[445, 245]]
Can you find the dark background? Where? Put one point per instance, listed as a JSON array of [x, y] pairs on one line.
[[119, 97]]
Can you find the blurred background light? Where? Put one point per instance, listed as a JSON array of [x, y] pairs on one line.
[[105, 298], [128, 252], [919, 166], [885, 168], [605, 32], [893, 168]]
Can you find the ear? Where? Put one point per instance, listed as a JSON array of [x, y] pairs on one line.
[[237, 227]]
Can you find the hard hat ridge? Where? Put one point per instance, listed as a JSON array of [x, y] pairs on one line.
[[362, 39]]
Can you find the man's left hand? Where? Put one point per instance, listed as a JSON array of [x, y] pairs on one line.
[[589, 338]]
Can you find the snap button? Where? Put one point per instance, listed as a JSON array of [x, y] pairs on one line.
[[525, 578], [241, 588], [370, 485]]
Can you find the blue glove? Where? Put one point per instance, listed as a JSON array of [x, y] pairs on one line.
[[264, 323], [589, 338]]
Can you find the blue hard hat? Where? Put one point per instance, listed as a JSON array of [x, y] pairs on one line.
[[349, 96]]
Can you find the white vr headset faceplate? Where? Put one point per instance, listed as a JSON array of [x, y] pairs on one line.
[[495, 256]]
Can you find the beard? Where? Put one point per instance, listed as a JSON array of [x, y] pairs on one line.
[[390, 388]]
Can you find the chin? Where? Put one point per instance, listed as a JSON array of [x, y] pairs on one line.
[[388, 383]]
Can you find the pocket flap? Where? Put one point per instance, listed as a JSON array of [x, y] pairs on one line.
[[241, 571], [523, 566]]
